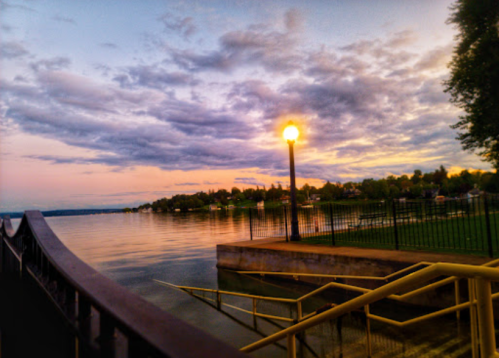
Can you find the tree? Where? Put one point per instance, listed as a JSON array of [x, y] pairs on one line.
[[440, 175], [416, 178], [473, 84]]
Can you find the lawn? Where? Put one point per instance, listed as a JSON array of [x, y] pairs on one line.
[[466, 234]]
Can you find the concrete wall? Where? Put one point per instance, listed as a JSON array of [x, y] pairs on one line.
[[252, 258]]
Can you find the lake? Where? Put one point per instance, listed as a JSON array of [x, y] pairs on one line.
[[180, 248]]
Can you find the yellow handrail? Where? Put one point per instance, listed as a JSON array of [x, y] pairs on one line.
[[481, 275]]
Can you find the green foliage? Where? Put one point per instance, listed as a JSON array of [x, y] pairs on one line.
[[391, 187], [474, 80]]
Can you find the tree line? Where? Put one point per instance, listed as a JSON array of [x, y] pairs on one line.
[[415, 186]]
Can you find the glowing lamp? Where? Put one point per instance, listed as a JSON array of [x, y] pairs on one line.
[[291, 132]]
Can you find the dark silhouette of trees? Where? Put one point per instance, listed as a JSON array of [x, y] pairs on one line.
[[474, 81]]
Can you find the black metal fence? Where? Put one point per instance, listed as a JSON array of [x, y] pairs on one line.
[[468, 225]]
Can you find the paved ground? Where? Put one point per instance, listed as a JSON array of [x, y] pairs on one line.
[[409, 257]]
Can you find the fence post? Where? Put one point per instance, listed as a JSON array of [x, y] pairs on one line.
[[487, 224], [394, 210], [286, 222], [250, 223], [332, 225]]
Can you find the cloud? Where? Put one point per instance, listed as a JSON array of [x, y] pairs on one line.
[[293, 19], [402, 39], [187, 184], [437, 58], [153, 77], [249, 181], [360, 106], [53, 64], [64, 19], [108, 45], [6, 6], [183, 26], [255, 46], [12, 50]]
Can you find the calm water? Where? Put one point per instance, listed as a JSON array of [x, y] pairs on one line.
[[180, 248]]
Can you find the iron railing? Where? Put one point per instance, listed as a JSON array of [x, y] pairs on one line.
[[105, 319], [468, 225]]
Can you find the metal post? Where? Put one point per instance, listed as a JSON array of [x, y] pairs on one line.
[[458, 298], [299, 311], [106, 335], [394, 210], [473, 325], [295, 234], [485, 318], [368, 333], [332, 224], [487, 224], [251, 224], [291, 346]]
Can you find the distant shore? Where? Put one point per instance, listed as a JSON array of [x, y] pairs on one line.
[[74, 212]]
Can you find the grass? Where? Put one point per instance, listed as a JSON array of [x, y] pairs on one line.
[[466, 235]]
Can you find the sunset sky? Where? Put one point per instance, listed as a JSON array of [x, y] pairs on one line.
[[113, 104]]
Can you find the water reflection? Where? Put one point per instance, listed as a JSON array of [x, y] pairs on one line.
[[180, 248]]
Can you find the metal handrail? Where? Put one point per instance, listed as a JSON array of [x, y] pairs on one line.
[[76, 289], [219, 301], [479, 278]]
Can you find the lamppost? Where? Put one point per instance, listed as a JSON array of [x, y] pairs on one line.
[[290, 134]]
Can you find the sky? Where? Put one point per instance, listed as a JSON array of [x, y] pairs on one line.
[[114, 104]]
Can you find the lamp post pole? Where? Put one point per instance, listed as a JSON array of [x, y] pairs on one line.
[[295, 234]]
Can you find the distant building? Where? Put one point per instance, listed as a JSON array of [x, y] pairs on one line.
[[177, 209], [430, 193], [260, 204], [473, 193], [352, 193], [213, 207], [146, 210], [285, 199], [315, 197]]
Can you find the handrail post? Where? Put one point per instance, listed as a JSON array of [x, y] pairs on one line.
[[219, 301], [473, 326], [106, 335], [487, 224], [299, 311], [485, 318], [458, 298], [291, 346], [368, 333]]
